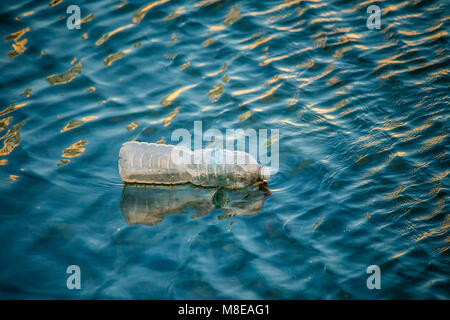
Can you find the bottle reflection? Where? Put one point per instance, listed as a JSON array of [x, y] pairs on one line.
[[147, 204]]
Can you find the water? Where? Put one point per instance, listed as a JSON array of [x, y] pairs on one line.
[[364, 165]]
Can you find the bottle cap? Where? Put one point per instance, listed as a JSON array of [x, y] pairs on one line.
[[265, 173]]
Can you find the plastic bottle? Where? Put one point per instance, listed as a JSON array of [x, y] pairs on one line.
[[153, 163]]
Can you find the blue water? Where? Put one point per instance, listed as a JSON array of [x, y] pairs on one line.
[[363, 134]]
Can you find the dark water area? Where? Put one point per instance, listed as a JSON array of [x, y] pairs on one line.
[[363, 141]]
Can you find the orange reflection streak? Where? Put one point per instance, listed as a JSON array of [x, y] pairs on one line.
[[106, 36]]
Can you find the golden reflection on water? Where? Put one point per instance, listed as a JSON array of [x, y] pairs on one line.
[[17, 35], [257, 43], [222, 69], [323, 19], [13, 178], [385, 164], [113, 57], [278, 7], [54, 2], [62, 162], [245, 91], [245, 115], [429, 143], [76, 123], [388, 61], [108, 35], [4, 123], [394, 7], [11, 139], [140, 14], [132, 126], [88, 18], [169, 99], [268, 61], [437, 35], [232, 16], [412, 68], [399, 254], [180, 11], [170, 117], [439, 176], [272, 140], [65, 77], [122, 4], [208, 41], [11, 108], [173, 39], [308, 81], [215, 93], [278, 77], [18, 45], [205, 3], [264, 95], [90, 89], [75, 149], [28, 13], [185, 65]]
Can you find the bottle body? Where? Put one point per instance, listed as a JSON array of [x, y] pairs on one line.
[[151, 163]]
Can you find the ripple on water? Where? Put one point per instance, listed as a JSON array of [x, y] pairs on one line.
[[362, 118]]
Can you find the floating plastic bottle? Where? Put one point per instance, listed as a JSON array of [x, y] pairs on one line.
[[152, 163]]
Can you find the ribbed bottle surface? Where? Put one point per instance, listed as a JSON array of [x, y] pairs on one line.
[[153, 163]]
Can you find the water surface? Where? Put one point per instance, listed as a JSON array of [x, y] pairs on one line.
[[363, 120]]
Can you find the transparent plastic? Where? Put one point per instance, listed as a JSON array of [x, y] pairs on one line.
[[148, 204], [151, 163]]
